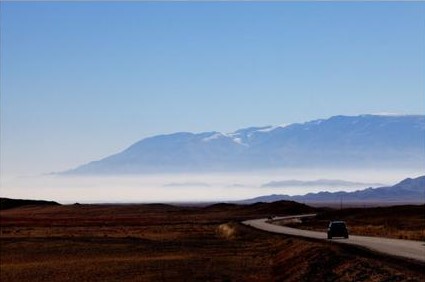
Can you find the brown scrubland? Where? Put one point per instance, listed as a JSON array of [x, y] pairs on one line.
[[159, 242]]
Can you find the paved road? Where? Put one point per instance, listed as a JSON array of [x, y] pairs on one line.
[[401, 248]]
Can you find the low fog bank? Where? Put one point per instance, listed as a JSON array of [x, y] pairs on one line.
[[190, 187]]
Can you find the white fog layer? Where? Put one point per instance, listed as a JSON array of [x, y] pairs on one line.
[[189, 187]]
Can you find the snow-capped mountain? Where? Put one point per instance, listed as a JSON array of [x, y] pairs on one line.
[[340, 141]]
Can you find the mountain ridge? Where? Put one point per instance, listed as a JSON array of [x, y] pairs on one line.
[[410, 190], [365, 140]]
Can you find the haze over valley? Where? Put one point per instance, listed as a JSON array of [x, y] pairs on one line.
[[341, 153]]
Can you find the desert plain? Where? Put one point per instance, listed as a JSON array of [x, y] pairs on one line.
[[162, 242]]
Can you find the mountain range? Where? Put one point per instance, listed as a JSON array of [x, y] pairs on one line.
[[407, 191], [366, 141]]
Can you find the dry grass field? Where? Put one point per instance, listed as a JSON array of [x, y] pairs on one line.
[[169, 243], [399, 222]]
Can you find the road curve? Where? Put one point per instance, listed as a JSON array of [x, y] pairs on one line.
[[395, 247]]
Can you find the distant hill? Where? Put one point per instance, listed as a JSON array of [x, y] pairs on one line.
[[6, 203], [339, 142], [319, 182], [407, 191], [254, 210]]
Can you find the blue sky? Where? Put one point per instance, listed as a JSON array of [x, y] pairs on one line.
[[80, 81]]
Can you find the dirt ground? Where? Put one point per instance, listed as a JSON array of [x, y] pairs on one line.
[[169, 243]]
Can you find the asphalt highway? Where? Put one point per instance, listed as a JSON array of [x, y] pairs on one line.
[[395, 247]]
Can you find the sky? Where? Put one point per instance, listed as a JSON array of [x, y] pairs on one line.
[[80, 81]]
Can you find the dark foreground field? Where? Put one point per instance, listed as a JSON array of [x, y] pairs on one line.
[[168, 243]]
